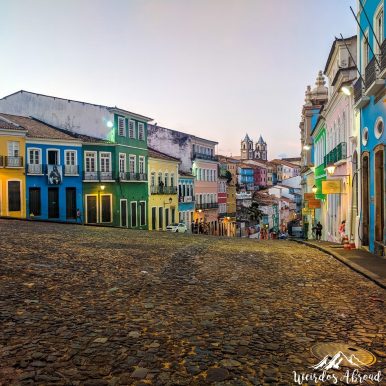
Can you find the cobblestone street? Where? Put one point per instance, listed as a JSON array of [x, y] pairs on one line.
[[96, 306]]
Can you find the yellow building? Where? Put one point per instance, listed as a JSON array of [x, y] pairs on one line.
[[163, 192], [12, 174], [231, 200]]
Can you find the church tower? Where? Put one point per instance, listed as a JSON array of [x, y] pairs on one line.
[[246, 151], [261, 151]]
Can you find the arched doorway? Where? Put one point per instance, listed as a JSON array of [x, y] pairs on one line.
[[365, 199]]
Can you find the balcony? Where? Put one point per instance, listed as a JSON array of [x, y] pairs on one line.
[[383, 60], [360, 100], [128, 176], [186, 199], [225, 215], [337, 154], [35, 169], [213, 205], [373, 83], [163, 189], [98, 176], [13, 162], [71, 170], [204, 156]]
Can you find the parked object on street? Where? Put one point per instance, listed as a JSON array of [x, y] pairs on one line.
[[177, 228]]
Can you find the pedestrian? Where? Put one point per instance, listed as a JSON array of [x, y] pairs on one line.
[[258, 231], [319, 228], [79, 216], [342, 230]]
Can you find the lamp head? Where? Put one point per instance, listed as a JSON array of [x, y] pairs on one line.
[[330, 169], [314, 189], [103, 187]]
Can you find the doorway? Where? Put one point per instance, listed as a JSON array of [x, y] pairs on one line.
[[379, 194], [124, 213], [71, 203], [91, 203], [154, 218], [53, 202], [365, 199]]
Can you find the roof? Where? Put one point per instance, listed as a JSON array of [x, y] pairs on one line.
[[5, 124], [157, 154], [286, 163], [185, 174], [37, 129], [333, 49], [112, 108], [261, 140], [246, 138]]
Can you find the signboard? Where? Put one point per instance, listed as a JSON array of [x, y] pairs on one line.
[[309, 196], [306, 211], [314, 204], [54, 174], [332, 187]]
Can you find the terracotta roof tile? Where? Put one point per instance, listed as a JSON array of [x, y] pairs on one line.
[[157, 154]]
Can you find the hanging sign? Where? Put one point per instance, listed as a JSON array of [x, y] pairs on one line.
[[306, 212], [309, 196], [332, 187], [314, 204], [54, 174]]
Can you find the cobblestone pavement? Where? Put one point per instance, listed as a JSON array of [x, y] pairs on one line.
[[96, 306]]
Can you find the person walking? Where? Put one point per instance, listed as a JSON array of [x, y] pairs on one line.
[[79, 216], [342, 230], [319, 228]]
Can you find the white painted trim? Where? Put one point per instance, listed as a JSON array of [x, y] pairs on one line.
[[12, 133], [379, 119], [21, 195], [95, 157], [111, 207], [28, 149], [100, 162], [53, 142], [128, 129], [143, 126], [144, 163], [53, 149], [120, 213], [135, 163], [145, 214], [163, 218], [85, 205], [124, 126], [119, 162], [72, 151], [136, 213]]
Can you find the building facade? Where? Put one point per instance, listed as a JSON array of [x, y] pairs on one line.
[[186, 199], [12, 174]]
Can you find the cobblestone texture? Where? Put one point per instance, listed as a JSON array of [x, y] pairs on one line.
[[96, 306]]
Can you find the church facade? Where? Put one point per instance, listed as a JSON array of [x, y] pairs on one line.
[[250, 152]]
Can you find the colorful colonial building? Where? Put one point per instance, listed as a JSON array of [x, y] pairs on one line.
[[163, 191], [186, 198], [12, 176]]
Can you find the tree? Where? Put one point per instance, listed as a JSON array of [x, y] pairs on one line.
[[228, 176], [254, 211]]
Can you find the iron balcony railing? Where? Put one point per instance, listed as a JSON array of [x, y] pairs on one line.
[[97, 176], [1, 161], [34, 169], [337, 154], [163, 189], [13, 162], [213, 205], [371, 73], [205, 156], [383, 55], [186, 199], [358, 90], [71, 170], [129, 176]]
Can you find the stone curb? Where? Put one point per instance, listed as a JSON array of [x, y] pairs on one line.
[[355, 267]]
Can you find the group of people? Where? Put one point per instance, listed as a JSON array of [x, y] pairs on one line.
[[317, 229]]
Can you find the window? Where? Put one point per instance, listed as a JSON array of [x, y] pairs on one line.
[[105, 162], [34, 202], [378, 26], [121, 127], [365, 51], [70, 157], [132, 164], [90, 161], [141, 131], [106, 207], [166, 178], [34, 156], [53, 157], [14, 204], [13, 148], [152, 179], [142, 164], [172, 179], [131, 129], [365, 136], [122, 163], [142, 213], [133, 214], [159, 178]]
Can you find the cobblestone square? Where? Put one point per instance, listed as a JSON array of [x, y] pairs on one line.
[[99, 306]]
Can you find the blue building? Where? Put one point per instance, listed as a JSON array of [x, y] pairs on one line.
[[53, 171], [246, 177], [369, 97], [186, 202]]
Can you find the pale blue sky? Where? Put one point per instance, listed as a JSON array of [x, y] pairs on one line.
[[213, 68]]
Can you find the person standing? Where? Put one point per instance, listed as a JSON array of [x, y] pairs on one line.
[[319, 228], [79, 216]]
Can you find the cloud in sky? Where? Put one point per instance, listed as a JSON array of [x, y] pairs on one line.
[[217, 68]]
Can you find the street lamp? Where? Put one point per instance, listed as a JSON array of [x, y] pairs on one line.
[[346, 90], [331, 169], [102, 187], [314, 189], [306, 147]]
